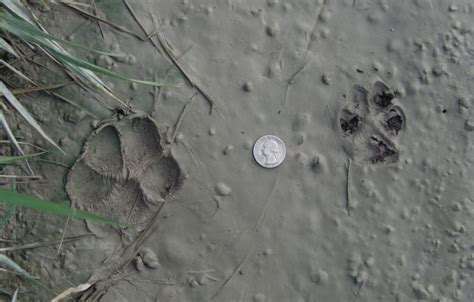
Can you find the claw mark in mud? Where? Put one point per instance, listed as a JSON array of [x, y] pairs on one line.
[[370, 123], [124, 173]]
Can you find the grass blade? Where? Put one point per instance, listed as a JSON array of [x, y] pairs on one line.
[[8, 211], [45, 42], [8, 48], [5, 160], [18, 27], [52, 49], [16, 71], [31, 202], [15, 295], [67, 58], [18, 9], [24, 163], [40, 88], [11, 265], [15, 268], [25, 114]]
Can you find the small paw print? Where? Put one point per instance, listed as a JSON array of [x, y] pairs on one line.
[[123, 173], [370, 124]]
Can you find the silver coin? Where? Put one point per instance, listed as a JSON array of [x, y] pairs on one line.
[[269, 151]]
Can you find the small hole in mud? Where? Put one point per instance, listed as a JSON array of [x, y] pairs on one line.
[[384, 99], [444, 111], [350, 125]]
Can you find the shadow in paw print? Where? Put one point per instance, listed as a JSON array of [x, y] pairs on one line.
[[370, 124], [123, 173]]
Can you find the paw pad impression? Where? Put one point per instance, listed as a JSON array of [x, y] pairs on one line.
[[370, 124], [123, 173]]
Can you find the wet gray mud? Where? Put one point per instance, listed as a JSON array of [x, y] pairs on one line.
[[374, 202]]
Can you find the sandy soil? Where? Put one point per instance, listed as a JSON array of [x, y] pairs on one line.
[[374, 202]]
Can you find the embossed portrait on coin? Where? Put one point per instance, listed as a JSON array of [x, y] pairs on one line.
[[270, 151]]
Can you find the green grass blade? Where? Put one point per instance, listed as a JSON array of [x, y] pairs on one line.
[[16, 146], [31, 202], [9, 210], [8, 48], [12, 100], [5, 160], [18, 9], [11, 265], [18, 27], [67, 58], [15, 268]]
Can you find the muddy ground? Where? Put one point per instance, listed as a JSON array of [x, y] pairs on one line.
[[374, 202]]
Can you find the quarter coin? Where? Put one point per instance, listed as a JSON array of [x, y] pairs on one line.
[[269, 151]]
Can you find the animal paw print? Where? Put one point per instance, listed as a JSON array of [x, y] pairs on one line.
[[370, 124], [123, 173]]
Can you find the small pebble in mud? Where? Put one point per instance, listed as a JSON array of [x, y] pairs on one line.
[[180, 137], [65, 141], [212, 131], [132, 59], [228, 149], [209, 10], [453, 8], [149, 258], [193, 282], [258, 298], [139, 264], [223, 189], [320, 277], [469, 126], [95, 124], [375, 17], [395, 46], [324, 32], [420, 291], [326, 79], [75, 116], [104, 61], [248, 87], [272, 3], [167, 94], [370, 262], [115, 47], [272, 29], [324, 16]]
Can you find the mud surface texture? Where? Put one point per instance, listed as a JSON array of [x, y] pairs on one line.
[[374, 202]]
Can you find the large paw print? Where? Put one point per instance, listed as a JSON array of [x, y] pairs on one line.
[[370, 124], [123, 173]]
